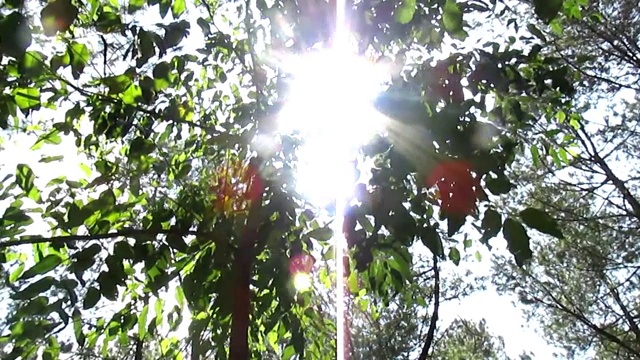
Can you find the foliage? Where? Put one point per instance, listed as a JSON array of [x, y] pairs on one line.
[[398, 330], [165, 98], [464, 339], [583, 287]]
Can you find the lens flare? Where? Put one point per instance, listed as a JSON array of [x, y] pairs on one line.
[[302, 282]]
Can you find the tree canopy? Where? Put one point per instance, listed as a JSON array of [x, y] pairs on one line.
[[162, 215]]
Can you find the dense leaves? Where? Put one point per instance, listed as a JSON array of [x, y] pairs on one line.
[[176, 215]]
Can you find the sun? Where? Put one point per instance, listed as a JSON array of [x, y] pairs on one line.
[[330, 105]]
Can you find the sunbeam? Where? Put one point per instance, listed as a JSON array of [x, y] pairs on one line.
[[331, 107]]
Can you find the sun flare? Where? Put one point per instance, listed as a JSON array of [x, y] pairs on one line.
[[331, 106]]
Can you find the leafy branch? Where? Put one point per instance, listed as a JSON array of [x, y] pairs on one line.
[[63, 239]]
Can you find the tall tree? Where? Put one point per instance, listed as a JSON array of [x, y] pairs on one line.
[[183, 216], [583, 286]]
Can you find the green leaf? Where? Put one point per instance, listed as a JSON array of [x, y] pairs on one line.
[[547, 10], [43, 266], [27, 98], [535, 31], [48, 159], [499, 185], [288, 352], [517, 241], [58, 61], [164, 7], [15, 215], [108, 287], [431, 239], [454, 255], [158, 307], [185, 169], [405, 12], [88, 253], [142, 322], [91, 298], [32, 64], [16, 34], [132, 95], [454, 223], [452, 16], [352, 282], [478, 256], [76, 216], [135, 5], [162, 70], [180, 296], [321, 234], [25, 180], [108, 22], [35, 289], [177, 8], [107, 199], [80, 56], [541, 221], [491, 224], [401, 261], [123, 250], [117, 84], [535, 155], [15, 274], [177, 242], [77, 327], [140, 147], [147, 48], [175, 33], [14, 4]]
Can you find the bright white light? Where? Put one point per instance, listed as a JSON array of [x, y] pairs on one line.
[[301, 281], [330, 105]]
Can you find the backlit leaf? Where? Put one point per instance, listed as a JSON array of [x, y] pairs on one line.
[[452, 16], [454, 255], [25, 180], [43, 266], [405, 12], [27, 98], [142, 322], [177, 8], [80, 56]]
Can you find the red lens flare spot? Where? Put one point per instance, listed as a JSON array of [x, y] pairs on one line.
[[301, 263], [237, 184], [458, 188]]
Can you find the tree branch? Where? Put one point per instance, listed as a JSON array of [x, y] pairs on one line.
[[617, 182], [627, 314], [434, 317], [34, 239]]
